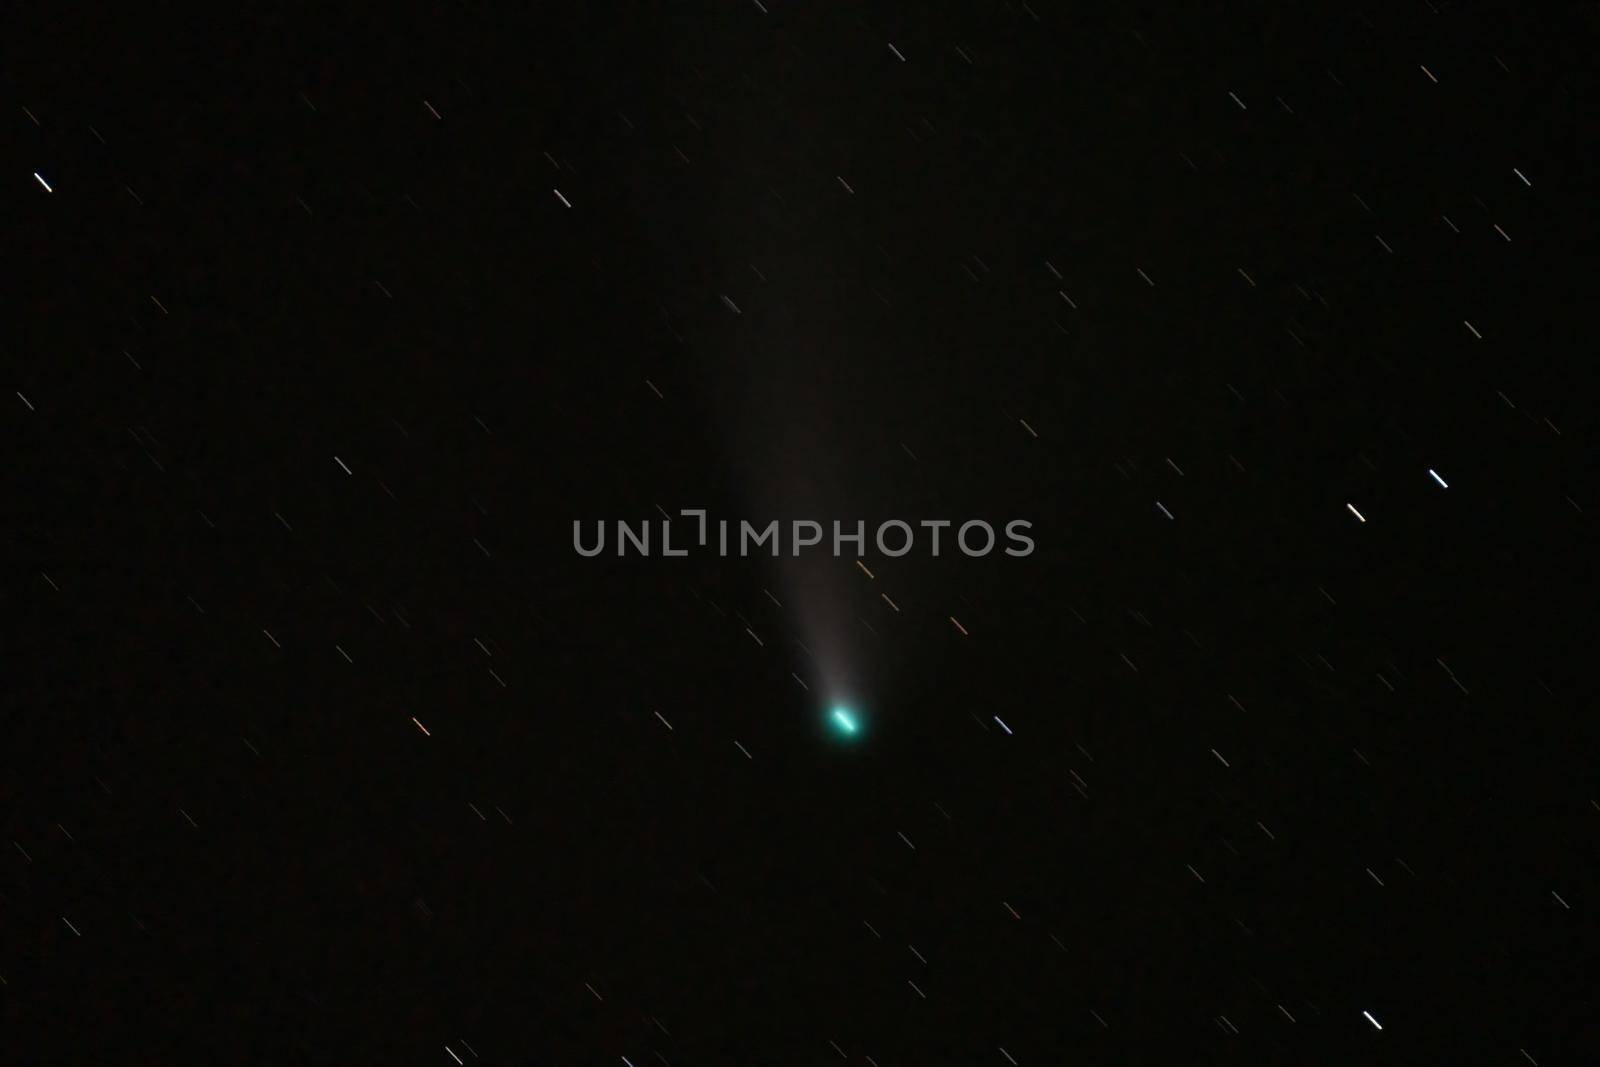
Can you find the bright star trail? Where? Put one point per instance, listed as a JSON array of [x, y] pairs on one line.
[[845, 720]]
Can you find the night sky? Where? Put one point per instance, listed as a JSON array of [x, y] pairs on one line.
[[320, 743]]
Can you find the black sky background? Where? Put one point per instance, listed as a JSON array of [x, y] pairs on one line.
[[1374, 742]]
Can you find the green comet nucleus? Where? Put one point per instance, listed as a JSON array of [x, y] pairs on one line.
[[845, 720]]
